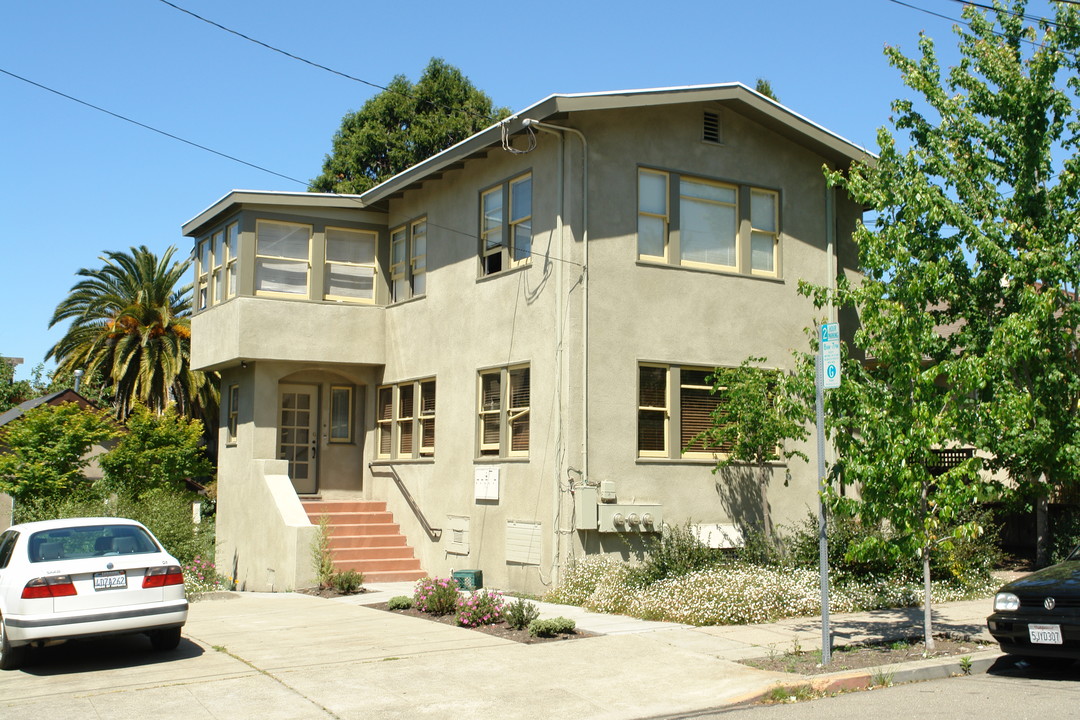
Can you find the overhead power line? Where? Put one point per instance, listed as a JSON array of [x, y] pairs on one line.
[[320, 66], [149, 127]]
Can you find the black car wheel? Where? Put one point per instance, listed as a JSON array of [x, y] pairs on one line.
[[11, 658]]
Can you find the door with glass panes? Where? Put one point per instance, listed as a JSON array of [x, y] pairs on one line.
[[298, 438]]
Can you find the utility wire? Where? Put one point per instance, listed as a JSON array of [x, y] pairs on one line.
[[320, 66], [150, 128], [171, 136]]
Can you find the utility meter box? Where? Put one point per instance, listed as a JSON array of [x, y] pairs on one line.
[[585, 497], [626, 518]]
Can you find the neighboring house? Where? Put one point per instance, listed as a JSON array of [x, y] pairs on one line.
[[92, 471], [506, 346]]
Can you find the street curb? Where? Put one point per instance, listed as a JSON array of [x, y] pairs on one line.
[[865, 678]]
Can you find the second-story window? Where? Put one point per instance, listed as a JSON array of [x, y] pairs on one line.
[[506, 225], [282, 258], [408, 261], [702, 223], [350, 265]]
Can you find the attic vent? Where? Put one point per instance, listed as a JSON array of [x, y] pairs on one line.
[[710, 127]]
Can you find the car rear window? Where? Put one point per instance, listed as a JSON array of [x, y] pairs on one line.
[[89, 541]]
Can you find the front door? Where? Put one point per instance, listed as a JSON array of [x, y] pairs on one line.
[[298, 438]]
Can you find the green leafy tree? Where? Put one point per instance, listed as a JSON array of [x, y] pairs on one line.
[[13, 392], [131, 328], [967, 302], [403, 125], [764, 87], [752, 424], [978, 221], [43, 454], [158, 452]]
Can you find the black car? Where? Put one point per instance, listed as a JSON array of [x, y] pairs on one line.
[[1038, 616]]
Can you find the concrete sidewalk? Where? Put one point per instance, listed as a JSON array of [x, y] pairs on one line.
[[295, 656]]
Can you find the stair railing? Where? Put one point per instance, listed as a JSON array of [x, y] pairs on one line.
[[432, 532]]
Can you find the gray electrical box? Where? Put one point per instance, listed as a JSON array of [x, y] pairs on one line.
[[585, 507]]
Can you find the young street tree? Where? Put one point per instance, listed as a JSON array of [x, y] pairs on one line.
[[403, 125], [968, 303], [749, 428]]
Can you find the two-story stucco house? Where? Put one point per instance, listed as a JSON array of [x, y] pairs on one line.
[[497, 359]]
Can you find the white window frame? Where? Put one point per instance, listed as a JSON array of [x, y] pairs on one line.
[[505, 410]]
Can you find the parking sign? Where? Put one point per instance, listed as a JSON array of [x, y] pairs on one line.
[[830, 355]]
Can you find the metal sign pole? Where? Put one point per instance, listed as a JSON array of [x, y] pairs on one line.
[[823, 542]]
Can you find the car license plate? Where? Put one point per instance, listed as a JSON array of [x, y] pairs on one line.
[[110, 580], [1045, 634]]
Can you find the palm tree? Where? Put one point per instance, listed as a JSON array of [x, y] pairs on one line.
[[131, 326]]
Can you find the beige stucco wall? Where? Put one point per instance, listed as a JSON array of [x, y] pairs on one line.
[[637, 312], [5, 511]]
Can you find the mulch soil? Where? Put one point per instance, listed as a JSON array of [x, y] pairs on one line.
[[500, 629], [858, 657]]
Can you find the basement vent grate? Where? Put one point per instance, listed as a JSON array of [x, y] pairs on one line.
[[710, 128]]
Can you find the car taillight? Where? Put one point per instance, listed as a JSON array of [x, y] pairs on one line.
[[162, 576], [45, 587]]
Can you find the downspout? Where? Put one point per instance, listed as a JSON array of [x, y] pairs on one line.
[[529, 122], [561, 352]]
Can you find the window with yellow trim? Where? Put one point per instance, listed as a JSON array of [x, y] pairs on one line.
[[675, 405], [350, 265], [506, 225], [405, 419], [282, 258], [703, 223], [503, 417]]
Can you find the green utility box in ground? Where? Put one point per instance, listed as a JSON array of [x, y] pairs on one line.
[[469, 579]]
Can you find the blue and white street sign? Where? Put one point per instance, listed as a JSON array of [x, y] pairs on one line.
[[830, 355]]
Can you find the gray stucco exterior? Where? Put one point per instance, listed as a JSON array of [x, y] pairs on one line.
[[583, 314]]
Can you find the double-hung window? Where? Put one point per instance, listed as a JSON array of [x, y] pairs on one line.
[[675, 405], [202, 294], [350, 265], [408, 261], [506, 225], [282, 258], [405, 419], [503, 415], [765, 231], [698, 222]]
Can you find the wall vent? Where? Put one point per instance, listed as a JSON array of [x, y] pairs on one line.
[[711, 129]]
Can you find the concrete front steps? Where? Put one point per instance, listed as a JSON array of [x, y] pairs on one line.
[[365, 538]]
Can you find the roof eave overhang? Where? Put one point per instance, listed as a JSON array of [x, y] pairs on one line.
[[835, 149], [236, 199]]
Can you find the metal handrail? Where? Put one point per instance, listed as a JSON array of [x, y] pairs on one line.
[[432, 532]]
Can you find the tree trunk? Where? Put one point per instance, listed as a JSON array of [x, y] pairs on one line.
[[766, 513], [928, 626], [1042, 524]]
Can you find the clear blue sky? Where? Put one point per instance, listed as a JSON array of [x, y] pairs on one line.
[[75, 182]]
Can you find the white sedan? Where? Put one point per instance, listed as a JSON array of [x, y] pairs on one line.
[[86, 577]]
